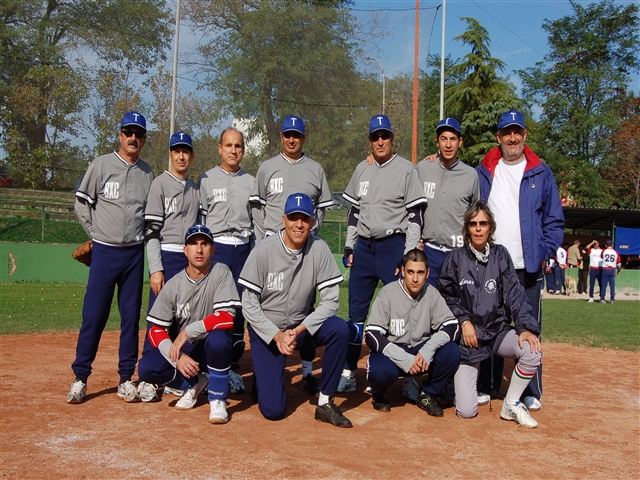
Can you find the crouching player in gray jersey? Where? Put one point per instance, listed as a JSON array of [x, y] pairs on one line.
[[224, 195], [280, 279], [110, 205], [411, 331], [201, 301]]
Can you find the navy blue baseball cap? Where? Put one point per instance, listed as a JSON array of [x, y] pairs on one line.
[[380, 122], [299, 202], [512, 117], [180, 139], [449, 123], [293, 123], [198, 229], [134, 118]]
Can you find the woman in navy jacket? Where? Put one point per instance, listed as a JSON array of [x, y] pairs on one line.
[[481, 287]]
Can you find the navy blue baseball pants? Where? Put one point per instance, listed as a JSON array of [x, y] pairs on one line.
[[214, 355], [608, 278], [234, 257], [110, 266], [268, 365], [382, 372], [594, 274], [373, 260]]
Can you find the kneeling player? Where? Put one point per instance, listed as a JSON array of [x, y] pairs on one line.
[[201, 302], [411, 331]]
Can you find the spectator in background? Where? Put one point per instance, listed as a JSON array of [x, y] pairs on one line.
[[583, 274], [595, 267], [611, 265], [574, 255], [559, 268]]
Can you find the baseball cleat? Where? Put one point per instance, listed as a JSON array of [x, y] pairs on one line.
[[532, 404], [218, 413], [603, 301], [236, 385], [519, 414], [190, 395], [329, 413], [148, 392], [483, 398], [78, 391], [310, 385], [410, 389], [380, 403], [590, 300], [347, 384], [429, 405], [128, 392]]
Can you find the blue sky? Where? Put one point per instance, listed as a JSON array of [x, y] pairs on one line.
[[515, 30]]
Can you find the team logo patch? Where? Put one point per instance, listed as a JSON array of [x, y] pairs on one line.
[[490, 286]]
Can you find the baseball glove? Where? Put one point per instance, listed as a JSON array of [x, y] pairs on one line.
[[83, 253]]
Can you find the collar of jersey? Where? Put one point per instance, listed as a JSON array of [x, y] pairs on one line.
[[451, 167], [178, 179], [420, 295], [125, 162], [287, 249], [229, 173], [375, 162], [191, 280], [290, 160]]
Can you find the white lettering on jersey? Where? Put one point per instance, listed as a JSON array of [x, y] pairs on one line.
[[464, 281], [275, 185], [364, 187], [112, 190], [183, 311], [170, 205], [219, 195], [396, 327], [429, 189], [457, 241], [275, 281]]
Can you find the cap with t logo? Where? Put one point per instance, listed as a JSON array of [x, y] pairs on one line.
[[380, 122], [449, 123], [512, 117], [299, 203], [134, 118], [293, 123], [180, 139]]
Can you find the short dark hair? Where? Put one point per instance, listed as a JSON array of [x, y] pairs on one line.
[[232, 129], [473, 210], [415, 255]]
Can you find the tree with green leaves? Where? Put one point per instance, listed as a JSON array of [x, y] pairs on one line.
[[50, 53], [582, 86]]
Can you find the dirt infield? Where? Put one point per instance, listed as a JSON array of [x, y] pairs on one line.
[[589, 426]]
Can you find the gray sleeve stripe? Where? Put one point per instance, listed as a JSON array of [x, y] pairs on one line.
[[351, 199], [156, 218], [415, 202], [250, 286], [157, 321], [227, 304], [325, 204], [330, 282], [86, 197]]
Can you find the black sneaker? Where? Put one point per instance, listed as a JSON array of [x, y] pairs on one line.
[[381, 403], [329, 413], [310, 385], [429, 405]]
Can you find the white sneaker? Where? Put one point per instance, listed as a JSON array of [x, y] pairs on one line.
[[483, 398], [128, 392], [519, 414], [78, 392], [590, 300], [190, 395], [218, 412], [148, 392], [236, 385], [532, 404], [347, 384], [410, 389], [557, 292]]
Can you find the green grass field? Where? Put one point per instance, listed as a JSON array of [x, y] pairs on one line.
[[25, 229], [38, 307]]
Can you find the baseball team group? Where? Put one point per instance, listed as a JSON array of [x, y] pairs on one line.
[[461, 253]]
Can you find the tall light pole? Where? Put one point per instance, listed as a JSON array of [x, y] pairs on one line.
[[175, 74], [444, 18], [383, 87]]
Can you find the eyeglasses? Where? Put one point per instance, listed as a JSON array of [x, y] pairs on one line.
[[482, 223], [292, 133], [373, 137], [127, 132]]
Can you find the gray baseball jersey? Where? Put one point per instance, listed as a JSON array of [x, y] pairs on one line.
[[408, 321], [187, 301], [383, 193], [285, 283], [278, 177], [225, 202], [174, 203], [111, 200], [449, 192]]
